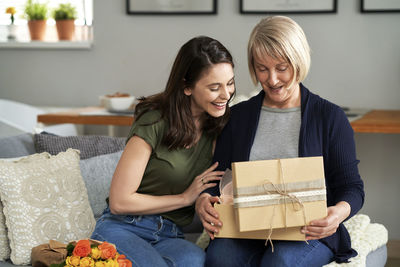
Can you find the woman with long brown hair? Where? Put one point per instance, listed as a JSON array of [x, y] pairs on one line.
[[166, 162]]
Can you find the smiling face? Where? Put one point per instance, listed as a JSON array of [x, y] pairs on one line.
[[212, 91], [275, 77]]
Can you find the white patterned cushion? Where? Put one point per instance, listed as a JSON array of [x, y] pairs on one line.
[[43, 199], [4, 244], [5, 248]]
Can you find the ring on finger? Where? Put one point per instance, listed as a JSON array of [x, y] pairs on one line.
[[202, 181], [212, 224]]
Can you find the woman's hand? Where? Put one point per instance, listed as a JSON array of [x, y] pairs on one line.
[[207, 214], [200, 183], [327, 226]]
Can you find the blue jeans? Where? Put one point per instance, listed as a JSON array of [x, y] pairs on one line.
[[148, 240], [245, 252]]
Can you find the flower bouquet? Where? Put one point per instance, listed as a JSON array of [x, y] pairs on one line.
[[91, 253]]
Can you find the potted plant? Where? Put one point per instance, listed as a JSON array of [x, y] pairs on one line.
[[65, 16], [36, 14]]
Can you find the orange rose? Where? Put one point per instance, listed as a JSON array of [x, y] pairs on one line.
[[123, 261], [82, 248], [108, 251]]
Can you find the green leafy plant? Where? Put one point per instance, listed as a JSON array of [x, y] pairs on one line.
[[65, 11], [35, 10]]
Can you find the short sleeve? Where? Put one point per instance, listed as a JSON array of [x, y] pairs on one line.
[[149, 127]]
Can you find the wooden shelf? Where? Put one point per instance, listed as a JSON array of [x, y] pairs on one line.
[[375, 121], [378, 121], [75, 116]]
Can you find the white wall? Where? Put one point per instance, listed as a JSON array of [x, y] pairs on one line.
[[355, 62]]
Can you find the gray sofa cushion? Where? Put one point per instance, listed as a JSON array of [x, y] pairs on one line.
[[97, 173], [377, 258], [89, 145], [17, 146]]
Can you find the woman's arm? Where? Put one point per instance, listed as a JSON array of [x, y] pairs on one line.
[[343, 180], [128, 175], [205, 202]]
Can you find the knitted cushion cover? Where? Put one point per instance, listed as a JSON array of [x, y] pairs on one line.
[[4, 243], [5, 248], [88, 145], [43, 199], [365, 238]]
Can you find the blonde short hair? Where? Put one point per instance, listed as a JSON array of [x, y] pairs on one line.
[[281, 38]]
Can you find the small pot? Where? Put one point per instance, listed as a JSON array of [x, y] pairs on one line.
[[65, 29], [37, 29]]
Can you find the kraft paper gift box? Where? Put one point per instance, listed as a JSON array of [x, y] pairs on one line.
[[230, 228], [281, 193]]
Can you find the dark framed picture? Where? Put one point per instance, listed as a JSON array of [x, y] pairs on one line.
[[171, 7], [374, 6], [287, 6]]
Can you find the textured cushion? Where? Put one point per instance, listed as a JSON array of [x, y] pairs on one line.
[[44, 198], [88, 145], [365, 238], [4, 243], [16, 146], [97, 173], [5, 248]]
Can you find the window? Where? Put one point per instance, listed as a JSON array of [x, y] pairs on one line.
[[83, 23]]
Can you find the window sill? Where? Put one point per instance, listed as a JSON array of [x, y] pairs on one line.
[[46, 45]]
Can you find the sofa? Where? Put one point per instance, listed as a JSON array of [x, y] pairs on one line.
[[93, 160]]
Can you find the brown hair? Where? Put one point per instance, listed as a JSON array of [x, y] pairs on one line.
[[194, 58]]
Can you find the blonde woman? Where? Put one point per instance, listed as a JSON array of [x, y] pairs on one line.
[[286, 120]]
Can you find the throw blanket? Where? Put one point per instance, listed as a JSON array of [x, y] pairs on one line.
[[365, 237]]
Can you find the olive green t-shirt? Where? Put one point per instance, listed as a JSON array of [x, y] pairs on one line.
[[170, 172]]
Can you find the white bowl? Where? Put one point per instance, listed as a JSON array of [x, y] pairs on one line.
[[117, 103]]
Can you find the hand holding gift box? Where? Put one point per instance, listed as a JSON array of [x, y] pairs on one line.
[[280, 194], [230, 228]]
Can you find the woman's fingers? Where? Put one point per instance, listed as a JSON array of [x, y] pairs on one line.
[[212, 176], [208, 215], [319, 233], [211, 168], [322, 227]]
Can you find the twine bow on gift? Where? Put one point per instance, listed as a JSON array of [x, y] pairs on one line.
[[274, 194], [285, 195]]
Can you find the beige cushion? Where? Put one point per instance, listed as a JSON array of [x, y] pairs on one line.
[[5, 248], [44, 197], [4, 243]]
